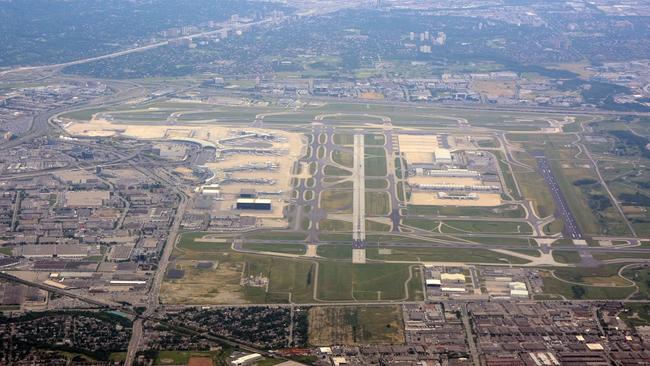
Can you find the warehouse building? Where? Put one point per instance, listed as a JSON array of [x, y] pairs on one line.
[[253, 204]]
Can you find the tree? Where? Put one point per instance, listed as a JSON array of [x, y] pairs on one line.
[[578, 291]]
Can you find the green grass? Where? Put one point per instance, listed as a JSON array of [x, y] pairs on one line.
[[507, 175], [563, 256], [374, 139], [584, 274], [582, 200], [356, 325], [636, 314], [343, 139], [333, 171], [285, 276], [377, 226], [494, 227], [375, 162], [177, 357], [376, 184], [334, 225], [534, 188], [641, 276], [277, 248], [554, 286], [530, 252], [187, 242], [335, 251], [490, 240], [345, 158], [5, 250], [276, 235], [335, 237], [336, 200], [442, 255], [344, 281], [617, 255], [429, 225], [459, 226], [377, 203], [501, 211], [83, 114]]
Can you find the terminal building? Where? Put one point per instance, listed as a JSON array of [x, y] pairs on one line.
[[253, 204]]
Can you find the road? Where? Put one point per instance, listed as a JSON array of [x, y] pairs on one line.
[[223, 25], [473, 351], [156, 283]]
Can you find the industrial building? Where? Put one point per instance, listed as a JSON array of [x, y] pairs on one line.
[[66, 251], [442, 156], [457, 187], [457, 196], [253, 204], [247, 360], [456, 173], [247, 193]]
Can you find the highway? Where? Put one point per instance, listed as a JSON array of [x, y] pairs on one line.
[[223, 25]]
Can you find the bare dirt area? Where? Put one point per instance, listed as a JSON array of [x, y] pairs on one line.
[[205, 286], [431, 198], [495, 89], [355, 325]]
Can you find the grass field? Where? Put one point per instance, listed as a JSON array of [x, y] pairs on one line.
[[277, 248], [460, 226], [343, 139], [336, 201], [377, 226], [493, 227], [506, 211], [640, 275], [276, 235], [335, 225], [376, 184], [335, 251], [222, 283], [554, 286], [374, 139], [332, 171], [188, 241], [345, 158], [636, 314], [375, 162], [591, 220], [588, 283], [377, 203], [534, 187], [355, 325], [507, 175], [442, 255], [563, 256], [344, 281]]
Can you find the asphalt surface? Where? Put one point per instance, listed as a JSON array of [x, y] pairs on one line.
[[571, 228], [359, 194]]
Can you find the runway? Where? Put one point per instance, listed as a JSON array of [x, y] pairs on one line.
[[571, 228]]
